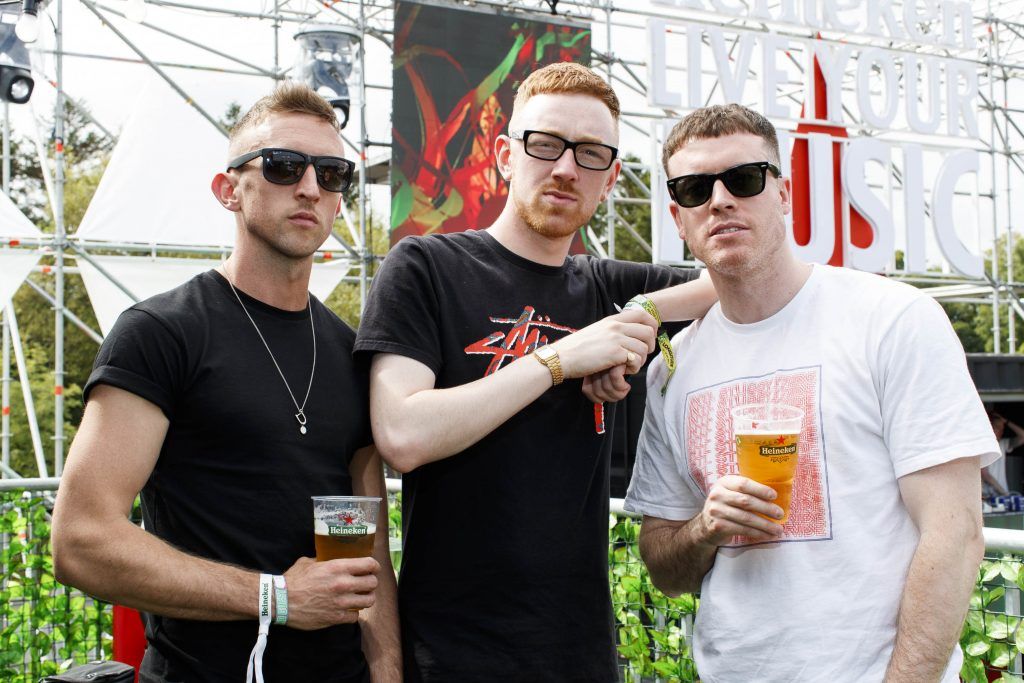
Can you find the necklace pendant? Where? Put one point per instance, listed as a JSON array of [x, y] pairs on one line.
[[300, 417], [302, 429]]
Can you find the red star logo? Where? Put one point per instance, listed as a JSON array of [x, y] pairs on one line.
[[347, 518], [781, 440]]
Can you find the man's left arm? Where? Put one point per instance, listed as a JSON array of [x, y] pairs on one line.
[[943, 503], [382, 643]]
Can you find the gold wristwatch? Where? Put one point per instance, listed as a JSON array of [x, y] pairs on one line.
[[548, 357]]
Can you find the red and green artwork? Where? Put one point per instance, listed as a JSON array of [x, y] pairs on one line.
[[455, 76]]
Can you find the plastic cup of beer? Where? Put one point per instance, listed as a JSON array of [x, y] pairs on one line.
[[344, 526], [767, 446]]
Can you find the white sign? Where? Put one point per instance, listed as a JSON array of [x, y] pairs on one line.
[[893, 90]]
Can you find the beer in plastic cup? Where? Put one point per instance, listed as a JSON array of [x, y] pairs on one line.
[[344, 526], [767, 444]]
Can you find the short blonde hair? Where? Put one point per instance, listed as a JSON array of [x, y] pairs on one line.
[[567, 78], [716, 121], [288, 98]]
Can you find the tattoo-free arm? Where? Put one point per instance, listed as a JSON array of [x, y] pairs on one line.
[[679, 554], [943, 503], [675, 556], [382, 643], [415, 423], [98, 549]]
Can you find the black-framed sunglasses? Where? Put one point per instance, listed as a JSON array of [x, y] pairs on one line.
[[745, 180], [286, 167], [549, 147]]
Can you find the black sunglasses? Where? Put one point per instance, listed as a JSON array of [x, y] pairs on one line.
[[549, 147], [286, 167], [745, 180]]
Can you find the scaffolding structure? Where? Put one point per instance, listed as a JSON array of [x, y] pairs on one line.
[[619, 34]]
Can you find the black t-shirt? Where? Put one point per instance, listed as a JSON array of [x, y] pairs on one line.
[[234, 477], [505, 565]]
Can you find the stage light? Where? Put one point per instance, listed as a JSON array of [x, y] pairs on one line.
[[326, 60], [27, 28], [135, 10], [15, 84], [16, 81]]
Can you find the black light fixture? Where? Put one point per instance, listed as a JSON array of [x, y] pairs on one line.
[[326, 61], [16, 82]]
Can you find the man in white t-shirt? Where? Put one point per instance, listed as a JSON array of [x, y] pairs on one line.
[[869, 578]]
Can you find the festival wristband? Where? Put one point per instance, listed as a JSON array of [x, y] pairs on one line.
[[256, 656], [664, 343], [645, 303], [280, 601]]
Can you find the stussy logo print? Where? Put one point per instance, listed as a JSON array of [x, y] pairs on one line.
[[527, 333]]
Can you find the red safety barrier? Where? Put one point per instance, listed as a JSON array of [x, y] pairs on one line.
[[129, 637]]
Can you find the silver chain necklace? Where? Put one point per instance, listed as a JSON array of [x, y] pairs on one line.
[[300, 416]]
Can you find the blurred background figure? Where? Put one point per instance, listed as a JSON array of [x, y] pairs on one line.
[[993, 477]]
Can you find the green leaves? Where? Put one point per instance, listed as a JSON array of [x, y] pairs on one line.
[[653, 628], [45, 627], [992, 636]]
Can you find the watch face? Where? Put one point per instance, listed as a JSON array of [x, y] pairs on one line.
[[545, 352]]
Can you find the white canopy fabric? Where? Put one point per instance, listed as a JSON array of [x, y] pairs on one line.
[[13, 222], [15, 265], [156, 188], [146, 277]]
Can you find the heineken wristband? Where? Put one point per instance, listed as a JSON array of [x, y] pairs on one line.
[[254, 671], [641, 301], [280, 601]]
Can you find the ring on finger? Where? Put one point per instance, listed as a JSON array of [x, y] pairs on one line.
[[630, 357]]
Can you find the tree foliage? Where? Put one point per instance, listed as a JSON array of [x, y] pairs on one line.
[[629, 218], [86, 153], [973, 322]]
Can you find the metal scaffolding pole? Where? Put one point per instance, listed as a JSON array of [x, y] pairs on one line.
[[26, 393], [5, 390], [1012, 322], [5, 363], [609, 216], [996, 313], [364, 249], [58, 257]]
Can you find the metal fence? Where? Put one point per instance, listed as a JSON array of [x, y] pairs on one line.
[[46, 627]]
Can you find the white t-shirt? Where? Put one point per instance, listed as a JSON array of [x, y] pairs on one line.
[[883, 383]]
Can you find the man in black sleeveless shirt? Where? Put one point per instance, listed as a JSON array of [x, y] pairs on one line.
[[506, 466], [228, 402]]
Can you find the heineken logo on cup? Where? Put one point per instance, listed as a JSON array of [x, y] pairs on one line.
[[345, 526], [778, 450]]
